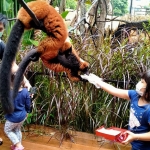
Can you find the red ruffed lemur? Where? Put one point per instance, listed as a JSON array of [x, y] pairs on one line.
[[55, 51]]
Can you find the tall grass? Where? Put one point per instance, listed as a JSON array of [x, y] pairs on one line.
[[63, 104]]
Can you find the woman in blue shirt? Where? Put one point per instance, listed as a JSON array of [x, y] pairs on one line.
[[139, 120]]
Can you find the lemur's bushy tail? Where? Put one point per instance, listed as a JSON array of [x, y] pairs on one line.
[[5, 72]]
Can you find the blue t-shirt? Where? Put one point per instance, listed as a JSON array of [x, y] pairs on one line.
[[22, 104], [2, 47], [139, 120]]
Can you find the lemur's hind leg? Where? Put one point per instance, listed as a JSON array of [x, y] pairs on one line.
[[31, 56], [8, 57]]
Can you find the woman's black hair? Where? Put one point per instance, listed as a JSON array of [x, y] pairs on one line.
[[146, 77], [3, 19]]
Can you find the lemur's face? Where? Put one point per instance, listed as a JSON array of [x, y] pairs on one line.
[[68, 61]]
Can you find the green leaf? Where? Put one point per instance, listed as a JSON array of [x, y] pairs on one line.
[[5, 5], [88, 2], [64, 14], [35, 43]]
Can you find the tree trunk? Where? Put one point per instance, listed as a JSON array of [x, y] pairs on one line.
[[82, 15], [101, 20], [62, 6], [92, 12]]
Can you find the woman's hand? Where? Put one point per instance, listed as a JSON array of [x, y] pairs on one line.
[[92, 78], [131, 137]]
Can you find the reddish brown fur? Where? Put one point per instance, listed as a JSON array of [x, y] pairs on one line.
[[51, 45], [53, 23]]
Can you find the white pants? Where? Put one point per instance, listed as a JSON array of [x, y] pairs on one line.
[[13, 131]]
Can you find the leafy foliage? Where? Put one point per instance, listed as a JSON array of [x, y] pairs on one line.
[[120, 7]]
